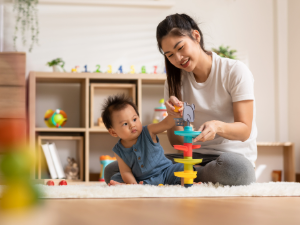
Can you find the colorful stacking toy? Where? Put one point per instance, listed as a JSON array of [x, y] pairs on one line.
[[188, 174], [104, 161]]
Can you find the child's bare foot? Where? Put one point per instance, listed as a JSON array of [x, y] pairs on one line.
[[113, 183]]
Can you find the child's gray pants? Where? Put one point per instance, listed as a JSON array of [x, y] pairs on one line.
[[227, 169]]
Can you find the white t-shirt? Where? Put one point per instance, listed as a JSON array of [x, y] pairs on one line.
[[229, 81]]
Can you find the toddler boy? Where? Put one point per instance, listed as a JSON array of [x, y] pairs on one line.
[[139, 154]]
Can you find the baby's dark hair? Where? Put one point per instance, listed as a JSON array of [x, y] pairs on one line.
[[115, 103]]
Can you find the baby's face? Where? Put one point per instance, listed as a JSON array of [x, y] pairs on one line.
[[126, 123]]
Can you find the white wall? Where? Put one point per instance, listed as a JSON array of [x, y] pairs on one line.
[[126, 35]]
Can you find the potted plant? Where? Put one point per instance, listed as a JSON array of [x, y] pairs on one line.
[[26, 21], [225, 52], [57, 64]]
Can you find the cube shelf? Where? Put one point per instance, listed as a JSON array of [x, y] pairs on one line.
[[47, 89], [79, 152], [100, 91]]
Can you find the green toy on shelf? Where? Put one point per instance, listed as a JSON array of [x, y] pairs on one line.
[[57, 118]]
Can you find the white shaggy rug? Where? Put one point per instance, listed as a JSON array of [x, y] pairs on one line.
[[101, 190]]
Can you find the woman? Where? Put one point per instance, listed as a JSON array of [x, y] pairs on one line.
[[222, 91]]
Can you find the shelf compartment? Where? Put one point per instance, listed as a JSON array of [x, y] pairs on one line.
[[78, 155], [100, 144], [151, 93], [61, 93], [100, 91]]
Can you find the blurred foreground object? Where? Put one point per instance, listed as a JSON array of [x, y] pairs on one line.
[[12, 99], [12, 133], [16, 164], [18, 192]]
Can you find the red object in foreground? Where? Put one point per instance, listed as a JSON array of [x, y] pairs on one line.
[[63, 182], [50, 183]]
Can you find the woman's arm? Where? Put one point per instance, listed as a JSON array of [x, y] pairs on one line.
[[239, 130], [125, 171]]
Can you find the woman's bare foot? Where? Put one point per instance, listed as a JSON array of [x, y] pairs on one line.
[[197, 182]]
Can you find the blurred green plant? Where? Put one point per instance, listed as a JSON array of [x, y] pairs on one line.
[[57, 62], [26, 21], [225, 52]]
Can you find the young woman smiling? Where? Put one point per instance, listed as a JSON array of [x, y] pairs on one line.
[[222, 91]]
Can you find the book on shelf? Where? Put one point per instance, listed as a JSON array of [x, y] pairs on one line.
[[49, 160], [56, 160], [53, 161]]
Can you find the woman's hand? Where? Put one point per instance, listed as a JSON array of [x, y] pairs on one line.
[[173, 101], [208, 131]]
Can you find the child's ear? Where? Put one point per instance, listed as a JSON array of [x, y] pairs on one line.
[[112, 132]]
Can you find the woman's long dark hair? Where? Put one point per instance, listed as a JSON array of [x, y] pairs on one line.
[[177, 25]]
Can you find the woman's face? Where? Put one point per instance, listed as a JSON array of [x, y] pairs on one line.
[[182, 51]]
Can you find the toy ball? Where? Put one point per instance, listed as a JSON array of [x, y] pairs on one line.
[[57, 118], [62, 183], [176, 108], [50, 183]]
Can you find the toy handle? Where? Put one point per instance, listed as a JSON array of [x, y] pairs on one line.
[[181, 148], [196, 146]]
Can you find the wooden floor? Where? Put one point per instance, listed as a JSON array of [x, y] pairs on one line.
[[183, 211]]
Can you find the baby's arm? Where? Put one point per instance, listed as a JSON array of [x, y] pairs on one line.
[[125, 171], [165, 124]]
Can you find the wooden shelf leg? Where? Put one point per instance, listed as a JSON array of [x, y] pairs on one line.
[[289, 163]]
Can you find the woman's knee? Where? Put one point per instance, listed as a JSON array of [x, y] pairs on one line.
[[110, 170], [229, 169]]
